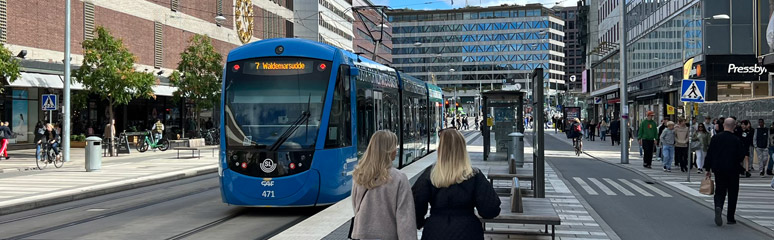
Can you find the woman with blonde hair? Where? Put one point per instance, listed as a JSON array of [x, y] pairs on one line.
[[453, 188], [381, 198]]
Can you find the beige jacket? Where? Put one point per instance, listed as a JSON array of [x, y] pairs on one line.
[[386, 212], [681, 137]]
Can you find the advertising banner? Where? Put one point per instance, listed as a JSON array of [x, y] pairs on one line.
[[19, 117]]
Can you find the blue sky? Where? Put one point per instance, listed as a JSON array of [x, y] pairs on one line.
[[446, 4]]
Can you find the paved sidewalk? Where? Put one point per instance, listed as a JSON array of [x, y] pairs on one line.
[[24, 187], [755, 193], [577, 221]]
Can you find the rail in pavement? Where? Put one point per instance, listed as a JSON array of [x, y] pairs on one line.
[[579, 221], [755, 193], [24, 190]]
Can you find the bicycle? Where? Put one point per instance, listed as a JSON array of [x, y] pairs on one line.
[[210, 136], [576, 143], [47, 156], [148, 142]]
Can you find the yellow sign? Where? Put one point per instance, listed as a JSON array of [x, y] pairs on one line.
[[695, 109], [670, 110], [243, 16], [280, 66], [687, 69], [490, 121]]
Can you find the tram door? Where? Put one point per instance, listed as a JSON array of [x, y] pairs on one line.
[[379, 114]]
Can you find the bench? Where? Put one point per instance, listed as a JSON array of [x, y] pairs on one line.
[[527, 175], [195, 146], [518, 210]]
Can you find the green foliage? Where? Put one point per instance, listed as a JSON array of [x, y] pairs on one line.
[[9, 65], [198, 74], [108, 71], [78, 138]]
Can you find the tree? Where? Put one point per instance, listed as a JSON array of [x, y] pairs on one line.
[[198, 74], [9, 65], [108, 71]]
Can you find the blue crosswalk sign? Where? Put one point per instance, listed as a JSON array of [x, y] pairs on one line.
[[49, 102], [693, 90]]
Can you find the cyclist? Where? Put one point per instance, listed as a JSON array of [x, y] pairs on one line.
[[53, 139], [158, 130], [576, 133], [40, 132]]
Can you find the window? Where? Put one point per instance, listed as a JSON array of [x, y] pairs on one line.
[[339, 126]]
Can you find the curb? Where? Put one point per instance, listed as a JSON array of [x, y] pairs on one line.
[[104, 188], [740, 218]]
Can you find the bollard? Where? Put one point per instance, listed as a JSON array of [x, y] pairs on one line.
[[93, 156], [517, 144]]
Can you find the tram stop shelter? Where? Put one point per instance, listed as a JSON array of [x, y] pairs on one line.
[[504, 112]]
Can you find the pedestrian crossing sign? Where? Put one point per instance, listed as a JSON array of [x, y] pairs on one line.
[[49, 102], [693, 90]]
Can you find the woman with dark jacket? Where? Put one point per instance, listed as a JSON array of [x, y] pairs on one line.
[[453, 189], [40, 132]]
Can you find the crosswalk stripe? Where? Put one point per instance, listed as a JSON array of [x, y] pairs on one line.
[[652, 188], [635, 187], [618, 186], [602, 186], [585, 186]]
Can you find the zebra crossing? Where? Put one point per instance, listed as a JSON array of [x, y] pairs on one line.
[[619, 187]]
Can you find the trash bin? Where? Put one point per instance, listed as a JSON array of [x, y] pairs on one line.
[[93, 156], [517, 149]]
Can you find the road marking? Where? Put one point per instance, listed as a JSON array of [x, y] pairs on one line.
[[618, 186], [635, 187], [602, 186], [585, 186], [652, 188]]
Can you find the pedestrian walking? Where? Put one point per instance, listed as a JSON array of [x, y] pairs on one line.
[[761, 145], [602, 130], [592, 129], [681, 144], [703, 138], [724, 161], [646, 136], [453, 188], [771, 150], [615, 127], [658, 142], [709, 126], [586, 128], [667, 140], [5, 134], [745, 134], [109, 135], [381, 195]]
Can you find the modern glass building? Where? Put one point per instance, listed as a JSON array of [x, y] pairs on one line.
[[474, 48]]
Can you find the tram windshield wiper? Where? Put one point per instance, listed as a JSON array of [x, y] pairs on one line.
[[289, 132]]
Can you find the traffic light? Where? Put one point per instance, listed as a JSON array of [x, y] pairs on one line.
[[457, 104], [446, 104]]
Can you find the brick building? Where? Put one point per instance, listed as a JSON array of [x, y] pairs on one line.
[[155, 31]]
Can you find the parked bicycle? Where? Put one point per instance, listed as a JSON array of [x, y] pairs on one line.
[[48, 156], [148, 142], [211, 136]]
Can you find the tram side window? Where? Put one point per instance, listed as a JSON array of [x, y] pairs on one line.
[[339, 126]]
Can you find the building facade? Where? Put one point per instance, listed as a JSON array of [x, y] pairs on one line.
[[574, 51], [326, 21], [155, 31], [473, 49]]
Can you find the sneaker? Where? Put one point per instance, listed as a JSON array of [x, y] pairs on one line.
[[718, 219], [747, 174], [769, 173], [731, 221], [6, 158], [762, 174], [699, 172]]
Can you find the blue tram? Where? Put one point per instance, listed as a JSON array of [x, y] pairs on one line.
[[297, 115]]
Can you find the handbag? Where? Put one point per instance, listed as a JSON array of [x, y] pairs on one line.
[[695, 145], [707, 186], [352, 221]]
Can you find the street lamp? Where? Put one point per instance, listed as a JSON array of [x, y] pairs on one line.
[[721, 17], [219, 19], [417, 44]]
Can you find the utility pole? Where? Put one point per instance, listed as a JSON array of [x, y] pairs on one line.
[[66, 105], [623, 85]]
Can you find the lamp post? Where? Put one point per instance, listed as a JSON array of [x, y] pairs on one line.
[[451, 74]]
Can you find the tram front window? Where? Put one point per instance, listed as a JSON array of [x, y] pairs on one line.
[[269, 98]]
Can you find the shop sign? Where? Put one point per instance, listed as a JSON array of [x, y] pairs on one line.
[[612, 96], [736, 68], [670, 110]]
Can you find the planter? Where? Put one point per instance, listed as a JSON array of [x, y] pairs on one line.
[[77, 144]]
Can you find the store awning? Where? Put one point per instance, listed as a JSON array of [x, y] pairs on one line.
[[161, 90], [50, 81], [38, 80]]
